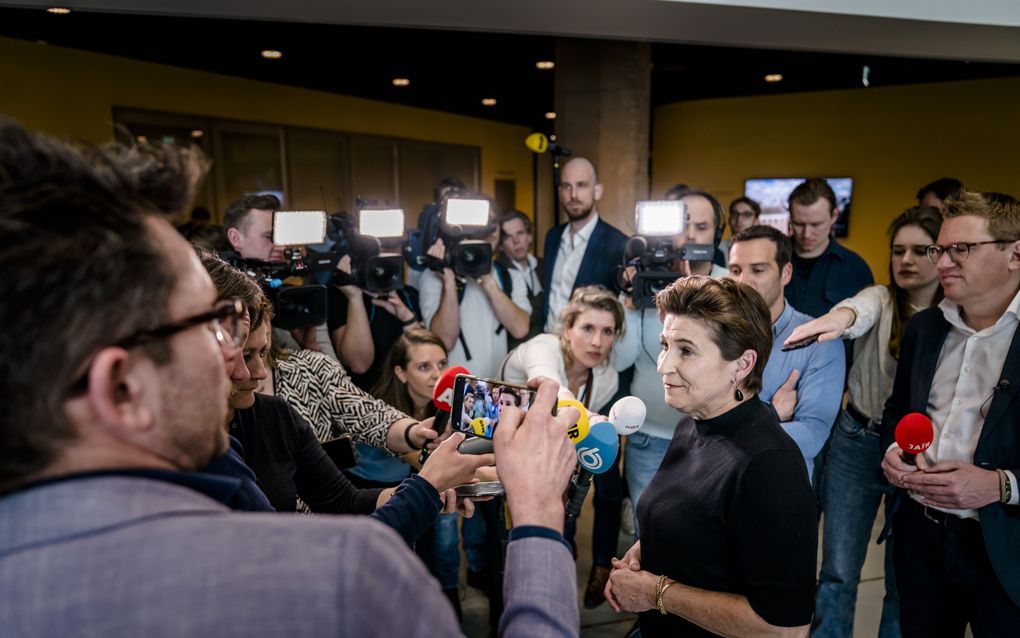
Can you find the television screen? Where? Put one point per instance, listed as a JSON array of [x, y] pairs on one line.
[[772, 193]]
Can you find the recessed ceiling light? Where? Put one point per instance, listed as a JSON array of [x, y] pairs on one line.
[[272, 54], [141, 139], [489, 101], [774, 77], [60, 11], [197, 133], [551, 115], [545, 65], [401, 82], [552, 138]]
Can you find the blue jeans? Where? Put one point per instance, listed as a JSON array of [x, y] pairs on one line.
[[447, 557], [642, 458], [852, 487], [474, 531]]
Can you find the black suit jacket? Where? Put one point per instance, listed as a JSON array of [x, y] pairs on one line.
[[998, 445], [598, 266]]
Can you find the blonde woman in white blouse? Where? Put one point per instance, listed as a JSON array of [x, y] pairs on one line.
[[852, 484]]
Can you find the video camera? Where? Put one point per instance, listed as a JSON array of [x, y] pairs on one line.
[[653, 249], [466, 223], [304, 305]]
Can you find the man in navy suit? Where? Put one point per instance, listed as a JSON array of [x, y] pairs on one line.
[[585, 250], [957, 525]]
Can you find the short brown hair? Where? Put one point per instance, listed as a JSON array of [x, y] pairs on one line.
[[515, 214], [1002, 212], [810, 191], [734, 313], [82, 270], [589, 298], [784, 247], [231, 283], [236, 215]]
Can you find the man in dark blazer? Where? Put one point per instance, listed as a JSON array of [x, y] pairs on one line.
[[585, 250], [956, 515]]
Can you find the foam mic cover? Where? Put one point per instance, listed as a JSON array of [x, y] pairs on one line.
[[628, 415], [597, 451], [577, 431], [914, 434], [635, 247], [442, 396]]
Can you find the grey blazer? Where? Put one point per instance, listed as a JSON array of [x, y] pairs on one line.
[[115, 556]]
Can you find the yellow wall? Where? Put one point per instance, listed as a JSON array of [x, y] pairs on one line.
[[890, 140], [72, 93]]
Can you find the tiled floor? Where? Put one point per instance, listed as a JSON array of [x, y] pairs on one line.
[[604, 623]]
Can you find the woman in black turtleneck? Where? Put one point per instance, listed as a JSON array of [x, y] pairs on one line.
[[728, 523]]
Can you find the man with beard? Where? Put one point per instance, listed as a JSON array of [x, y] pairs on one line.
[[585, 250]]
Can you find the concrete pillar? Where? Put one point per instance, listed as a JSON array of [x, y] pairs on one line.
[[603, 107]]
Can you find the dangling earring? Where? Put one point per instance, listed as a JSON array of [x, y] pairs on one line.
[[737, 394]]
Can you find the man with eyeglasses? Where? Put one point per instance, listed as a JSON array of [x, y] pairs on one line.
[[957, 518], [114, 385]]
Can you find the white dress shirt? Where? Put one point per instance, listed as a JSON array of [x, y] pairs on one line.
[[568, 263], [967, 374], [530, 273]]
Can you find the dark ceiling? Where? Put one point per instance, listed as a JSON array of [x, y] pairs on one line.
[[454, 70]]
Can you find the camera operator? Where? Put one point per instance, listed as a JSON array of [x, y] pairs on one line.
[[473, 317], [640, 346], [516, 237]]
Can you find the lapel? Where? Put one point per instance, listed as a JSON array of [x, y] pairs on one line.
[[591, 255], [1002, 398], [551, 249], [929, 348]]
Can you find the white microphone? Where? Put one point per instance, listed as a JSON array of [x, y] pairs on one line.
[[628, 415]]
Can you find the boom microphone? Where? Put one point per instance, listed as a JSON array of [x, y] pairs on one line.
[[914, 434], [539, 143]]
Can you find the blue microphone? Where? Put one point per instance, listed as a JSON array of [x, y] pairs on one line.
[[596, 453]]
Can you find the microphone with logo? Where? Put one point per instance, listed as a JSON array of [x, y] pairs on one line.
[[914, 434], [597, 451], [539, 143]]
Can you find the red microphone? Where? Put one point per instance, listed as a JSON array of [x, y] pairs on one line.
[[442, 396], [914, 434]]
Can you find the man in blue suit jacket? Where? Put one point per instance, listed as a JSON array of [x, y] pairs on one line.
[[957, 525], [585, 250]]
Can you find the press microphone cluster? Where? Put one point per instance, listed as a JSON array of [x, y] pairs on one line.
[[914, 435], [597, 451]]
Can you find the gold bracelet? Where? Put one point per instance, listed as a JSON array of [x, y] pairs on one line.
[[660, 589]]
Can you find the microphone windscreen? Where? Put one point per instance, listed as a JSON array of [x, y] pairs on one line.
[[578, 431], [537, 142], [597, 451], [635, 247], [442, 394], [628, 415], [914, 433]]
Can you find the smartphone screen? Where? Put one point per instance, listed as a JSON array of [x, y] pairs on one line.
[[477, 403]]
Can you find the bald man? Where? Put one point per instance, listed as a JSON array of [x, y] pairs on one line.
[[583, 251]]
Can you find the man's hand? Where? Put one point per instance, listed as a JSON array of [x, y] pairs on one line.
[[393, 304], [895, 468], [447, 467], [536, 459], [306, 338], [784, 401], [953, 484], [350, 291]]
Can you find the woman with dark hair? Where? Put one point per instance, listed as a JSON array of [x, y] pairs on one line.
[[852, 484], [728, 523]]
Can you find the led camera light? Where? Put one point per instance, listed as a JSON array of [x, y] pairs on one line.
[[661, 218]]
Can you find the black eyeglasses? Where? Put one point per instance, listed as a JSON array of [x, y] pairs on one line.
[[960, 250], [224, 321]]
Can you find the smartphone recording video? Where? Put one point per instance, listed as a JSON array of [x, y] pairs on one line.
[[477, 403]]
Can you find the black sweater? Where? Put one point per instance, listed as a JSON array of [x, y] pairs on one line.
[[289, 462], [731, 510]]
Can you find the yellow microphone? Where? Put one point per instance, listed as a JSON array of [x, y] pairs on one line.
[[578, 431], [539, 143]]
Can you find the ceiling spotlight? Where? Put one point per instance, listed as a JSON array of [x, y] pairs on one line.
[[401, 82], [60, 11], [197, 133], [774, 77], [141, 139], [545, 65], [489, 101], [272, 54], [551, 115]]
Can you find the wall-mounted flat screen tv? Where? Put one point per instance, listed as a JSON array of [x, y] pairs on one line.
[[772, 193]]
